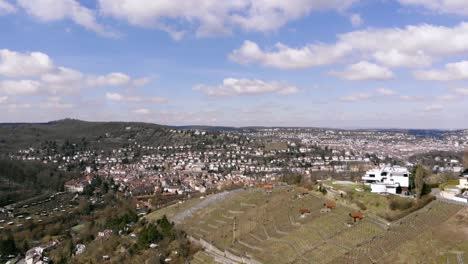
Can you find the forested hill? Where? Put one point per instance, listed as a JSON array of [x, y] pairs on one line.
[[83, 135]]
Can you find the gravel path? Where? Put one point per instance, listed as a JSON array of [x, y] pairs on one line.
[[178, 218]]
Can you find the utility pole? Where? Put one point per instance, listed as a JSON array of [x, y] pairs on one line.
[[234, 229]]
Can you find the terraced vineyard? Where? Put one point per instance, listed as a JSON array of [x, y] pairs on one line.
[[268, 228]]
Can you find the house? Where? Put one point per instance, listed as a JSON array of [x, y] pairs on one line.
[[74, 186], [173, 189], [356, 216], [304, 211], [268, 188], [329, 205], [388, 179], [463, 180]]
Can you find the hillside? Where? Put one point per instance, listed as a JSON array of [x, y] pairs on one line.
[[269, 228], [97, 135]]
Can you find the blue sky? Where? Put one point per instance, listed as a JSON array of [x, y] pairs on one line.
[[321, 63]]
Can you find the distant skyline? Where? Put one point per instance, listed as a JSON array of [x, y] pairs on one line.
[[305, 63]]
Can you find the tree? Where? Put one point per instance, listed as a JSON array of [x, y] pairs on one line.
[[465, 158], [8, 246], [149, 234], [420, 174]]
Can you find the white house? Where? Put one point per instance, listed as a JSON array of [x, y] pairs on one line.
[[463, 184], [388, 179]]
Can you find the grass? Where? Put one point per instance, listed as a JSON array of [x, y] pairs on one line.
[[450, 184]]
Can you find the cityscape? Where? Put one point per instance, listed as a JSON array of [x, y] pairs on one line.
[[246, 131]]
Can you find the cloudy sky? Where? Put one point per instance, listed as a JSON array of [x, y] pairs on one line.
[[321, 63]]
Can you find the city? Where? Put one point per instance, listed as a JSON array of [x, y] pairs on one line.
[[241, 131]]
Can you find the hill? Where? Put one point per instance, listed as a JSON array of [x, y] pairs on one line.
[[97, 135], [269, 228]]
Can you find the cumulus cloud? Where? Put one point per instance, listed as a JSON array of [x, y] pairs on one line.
[[356, 97], [6, 7], [52, 10], [3, 99], [411, 98], [141, 111], [111, 79], [385, 91], [215, 17], [411, 46], [379, 93], [441, 6], [44, 76], [15, 64], [116, 97], [451, 72], [55, 102], [239, 87], [21, 87], [364, 71], [284, 57]]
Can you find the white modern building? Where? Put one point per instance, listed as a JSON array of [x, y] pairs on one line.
[[463, 184], [388, 179]]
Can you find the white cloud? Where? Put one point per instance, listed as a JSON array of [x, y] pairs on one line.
[[135, 99], [14, 107], [22, 87], [448, 97], [395, 58], [114, 97], [441, 6], [239, 87], [3, 99], [111, 79], [461, 91], [385, 91], [6, 7], [141, 82], [142, 111], [356, 20], [356, 97], [411, 98], [53, 10], [284, 57], [55, 102], [451, 72], [15, 64], [46, 78], [433, 108], [215, 17], [412, 46], [364, 71]]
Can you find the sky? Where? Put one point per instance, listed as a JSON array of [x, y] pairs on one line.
[[309, 63]]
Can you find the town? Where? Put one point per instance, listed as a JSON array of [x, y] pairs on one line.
[[151, 177]]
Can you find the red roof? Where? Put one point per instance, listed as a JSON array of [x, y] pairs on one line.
[[329, 204], [357, 215]]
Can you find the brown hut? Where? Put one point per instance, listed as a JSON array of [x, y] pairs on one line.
[[329, 205], [304, 211], [356, 215], [268, 188]]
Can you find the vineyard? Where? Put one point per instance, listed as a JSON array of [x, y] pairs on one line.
[[269, 228]]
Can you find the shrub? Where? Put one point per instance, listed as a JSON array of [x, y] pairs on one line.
[[361, 205], [400, 204]]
